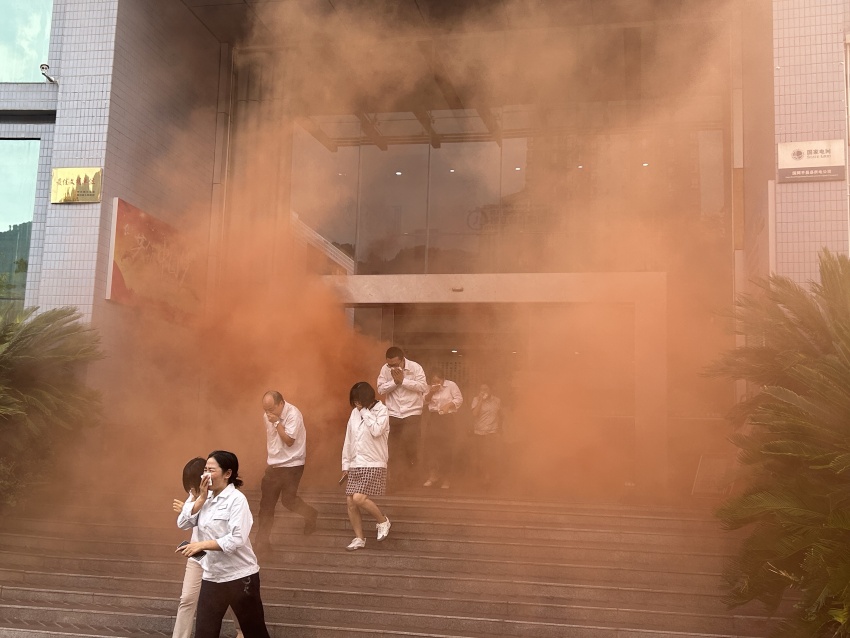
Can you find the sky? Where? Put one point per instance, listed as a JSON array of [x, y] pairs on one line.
[[24, 39]]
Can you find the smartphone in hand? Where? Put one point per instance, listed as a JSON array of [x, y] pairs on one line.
[[197, 556]]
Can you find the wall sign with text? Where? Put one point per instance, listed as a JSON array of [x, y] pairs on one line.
[[76, 185], [818, 161]]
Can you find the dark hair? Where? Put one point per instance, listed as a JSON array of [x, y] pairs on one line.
[[362, 393], [227, 461], [394, 352], [274, 394], [437, 372], [192, 473]]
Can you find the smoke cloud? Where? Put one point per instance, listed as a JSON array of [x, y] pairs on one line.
[[618, 122]]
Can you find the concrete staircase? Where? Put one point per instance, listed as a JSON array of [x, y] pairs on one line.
[[452, 566]]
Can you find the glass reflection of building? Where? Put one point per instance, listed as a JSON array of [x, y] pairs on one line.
[[24, 42], [19, 168], [535, 201]]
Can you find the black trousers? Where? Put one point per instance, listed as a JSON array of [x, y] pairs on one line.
[[404, 441], [241, 595], [280, 482], [440, 440]]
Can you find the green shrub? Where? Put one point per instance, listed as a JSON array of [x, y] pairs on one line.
[[794, 440], [43, 394]]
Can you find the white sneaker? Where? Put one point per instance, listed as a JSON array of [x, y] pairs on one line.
[[383, 529], [357, 543]]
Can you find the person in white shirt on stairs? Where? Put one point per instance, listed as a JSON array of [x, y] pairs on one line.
[[402, 384], [364, 461], [185, 620], [231, 573], [286, 446], [444, 400]]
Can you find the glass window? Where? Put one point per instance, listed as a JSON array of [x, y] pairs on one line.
[[464, 189], [518, 231], [393, 209], [324, 195], [19, 166], [24, 40]]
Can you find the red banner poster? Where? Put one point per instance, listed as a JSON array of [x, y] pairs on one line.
[[152, 268]]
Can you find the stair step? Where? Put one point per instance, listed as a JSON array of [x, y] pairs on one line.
[[383, 558], [280, 620], [290, 599], [321, 583], [453, 567], [32, 533]]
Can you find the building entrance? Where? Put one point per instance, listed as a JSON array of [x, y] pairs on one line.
[[565, 376]]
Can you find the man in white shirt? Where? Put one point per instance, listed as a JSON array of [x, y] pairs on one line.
[[286, 440], [444, 400], [403, 385]]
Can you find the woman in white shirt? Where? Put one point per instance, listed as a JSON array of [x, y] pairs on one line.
[[231, 574], [364, 461], [194, 572]]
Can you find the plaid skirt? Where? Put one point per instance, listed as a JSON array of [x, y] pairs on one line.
[[371, 481]]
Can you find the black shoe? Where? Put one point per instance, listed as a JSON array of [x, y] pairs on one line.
[[310, 524]]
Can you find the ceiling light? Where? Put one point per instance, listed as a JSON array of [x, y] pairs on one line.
[[451, 170], [517, 168], [646, 163], [454, 351], [398, 172], [581, 166]]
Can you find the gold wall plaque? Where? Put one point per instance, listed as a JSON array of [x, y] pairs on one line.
[[76, 185]]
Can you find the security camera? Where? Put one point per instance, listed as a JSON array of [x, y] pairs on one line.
[[44, 69]]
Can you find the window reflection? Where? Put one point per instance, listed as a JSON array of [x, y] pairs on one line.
[[324, 196], [393, 209], [464, 190], [446, 196], [19, 166], [24, 40]]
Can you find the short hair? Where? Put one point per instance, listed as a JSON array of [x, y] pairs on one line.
[[394, 352], [227, 461], [274, 394], [362, 393], [192, 473], [437, 372]]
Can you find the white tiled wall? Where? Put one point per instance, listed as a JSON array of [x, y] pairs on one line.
[[808, 42], [138, 82], [82, 41]]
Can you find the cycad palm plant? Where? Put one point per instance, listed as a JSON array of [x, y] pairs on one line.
[[43, 394], [794, 440]]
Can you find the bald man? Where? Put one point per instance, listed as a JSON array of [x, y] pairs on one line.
[[286, 440]]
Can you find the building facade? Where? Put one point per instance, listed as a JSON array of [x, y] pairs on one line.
[[539, 195]]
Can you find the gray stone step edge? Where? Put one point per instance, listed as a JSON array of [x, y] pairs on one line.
[[169, 604], [520, 627]]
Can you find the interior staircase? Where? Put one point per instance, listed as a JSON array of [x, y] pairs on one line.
[[452, 566]]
